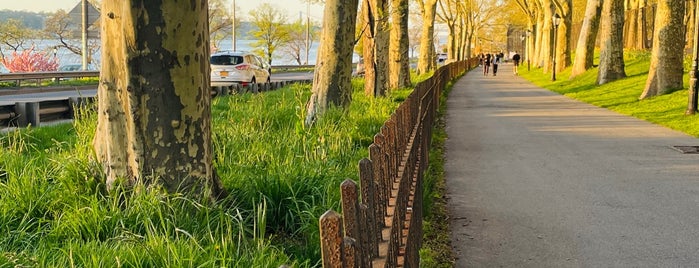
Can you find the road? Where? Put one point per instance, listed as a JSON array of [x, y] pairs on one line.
[[61, 95], [535, 179]]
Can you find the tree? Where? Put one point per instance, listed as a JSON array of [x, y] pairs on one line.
[[60, 26], [296, 45], [635, 27], [375, 44], [611, 59], [29, 61], [368, 31], [270, 30], [665, 74], [332, 81], [14, 35], [220, 22], [399, 60], [562, 53], [584, 54], [154, 112], [428, 11]]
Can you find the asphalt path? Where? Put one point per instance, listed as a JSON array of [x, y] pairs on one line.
[[535, 179], [62, 95]]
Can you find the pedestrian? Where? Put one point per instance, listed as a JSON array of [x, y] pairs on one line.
[[496, 61], [486, 64], [515, 61]]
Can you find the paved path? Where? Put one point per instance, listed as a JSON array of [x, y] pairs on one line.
[[535, 179]]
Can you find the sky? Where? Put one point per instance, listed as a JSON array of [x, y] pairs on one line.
[[292, 7]]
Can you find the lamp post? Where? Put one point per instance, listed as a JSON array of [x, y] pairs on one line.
[[233, 26], [529, 34], [693, 80], [556, 21], [523, 37], [55, 51]]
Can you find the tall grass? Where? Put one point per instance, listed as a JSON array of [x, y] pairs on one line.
[[55, 211], [622, 95]]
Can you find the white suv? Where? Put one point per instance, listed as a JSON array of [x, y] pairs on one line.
[[228, 67]]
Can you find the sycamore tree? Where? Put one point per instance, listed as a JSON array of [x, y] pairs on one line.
[[270, 30], [332, 80], [665, 74], [154, 110]]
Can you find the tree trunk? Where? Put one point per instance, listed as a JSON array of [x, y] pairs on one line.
[[425, 62], [562, 53], [154, 112], [665, 74], [332, 81], [584, 54], [369, 47], [611, 65], [382, 42], [399, 67]]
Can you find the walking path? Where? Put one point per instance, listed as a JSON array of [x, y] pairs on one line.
[[535, 179]]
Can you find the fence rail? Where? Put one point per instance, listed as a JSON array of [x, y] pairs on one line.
[[23, 114], [384, 227]]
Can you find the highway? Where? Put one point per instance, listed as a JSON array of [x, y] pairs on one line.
[[61, 95]]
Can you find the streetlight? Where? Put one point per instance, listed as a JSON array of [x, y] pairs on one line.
[[233, 24], [529, 35], [55, 51], [693, 81], [556, 21]]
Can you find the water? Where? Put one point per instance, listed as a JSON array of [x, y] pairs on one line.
[[65, 57]]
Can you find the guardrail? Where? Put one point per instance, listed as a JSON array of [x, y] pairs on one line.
[[24, 114], [39, 76], [57, 76], [384, 227]]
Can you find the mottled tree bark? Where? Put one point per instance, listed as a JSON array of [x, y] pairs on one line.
[[399, 65], [369, 47], [425, 61], [562, 52], [585, 50], [611, 65], [666, 69], [154, 118], [332, 81], [382, 41]]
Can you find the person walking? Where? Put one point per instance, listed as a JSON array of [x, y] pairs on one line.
[[496, 61], [486, 64], [515, 62]]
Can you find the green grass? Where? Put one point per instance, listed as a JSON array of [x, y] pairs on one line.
[[282, 176], [622, 95]]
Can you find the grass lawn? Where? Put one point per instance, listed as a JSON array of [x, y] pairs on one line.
[[622, 95], [55, 212]]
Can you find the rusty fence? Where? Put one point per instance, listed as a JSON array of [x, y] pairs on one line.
[[383, 228]]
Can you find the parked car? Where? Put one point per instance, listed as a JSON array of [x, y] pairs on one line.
[[240, 67]]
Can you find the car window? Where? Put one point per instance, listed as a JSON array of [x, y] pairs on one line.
[[226, 60]]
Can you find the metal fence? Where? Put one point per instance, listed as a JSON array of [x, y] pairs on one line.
[[383, 228]]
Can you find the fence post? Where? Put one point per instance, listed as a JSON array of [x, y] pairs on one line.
[[366, 176], [351, 215], [331, 241]]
